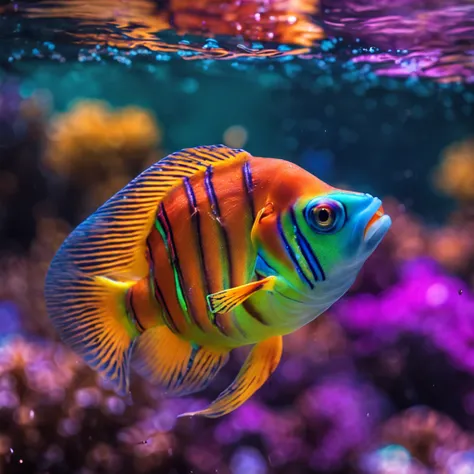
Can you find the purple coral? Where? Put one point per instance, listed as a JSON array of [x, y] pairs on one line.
[[426, 302], [326, 425], [346, 411]]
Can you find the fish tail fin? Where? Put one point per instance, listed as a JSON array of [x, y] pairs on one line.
[[90, 314]]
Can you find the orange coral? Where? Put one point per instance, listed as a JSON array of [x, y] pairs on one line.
[[455, 175], [452, 246], [93, 139], [99, 150]]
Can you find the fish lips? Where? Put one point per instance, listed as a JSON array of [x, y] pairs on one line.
[[377, 231], [377, 225]]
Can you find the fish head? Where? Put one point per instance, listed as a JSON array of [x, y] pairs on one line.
[[318, 243], [341, 229]]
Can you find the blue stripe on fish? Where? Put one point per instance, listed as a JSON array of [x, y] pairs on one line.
[[248, 185], [292, 255], [158, 295], [163, 226], [306, 250]]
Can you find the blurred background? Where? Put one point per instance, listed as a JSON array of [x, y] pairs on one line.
[[369, 95]]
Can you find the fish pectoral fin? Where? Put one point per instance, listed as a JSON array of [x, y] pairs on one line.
[[175, 365], [259, 365], [226, 300]]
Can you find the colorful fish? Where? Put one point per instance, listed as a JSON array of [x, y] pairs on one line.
[[207, 250]]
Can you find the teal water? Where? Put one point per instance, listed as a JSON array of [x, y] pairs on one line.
[[370, 104]]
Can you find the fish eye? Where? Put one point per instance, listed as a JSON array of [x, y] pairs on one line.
[[325, 215]]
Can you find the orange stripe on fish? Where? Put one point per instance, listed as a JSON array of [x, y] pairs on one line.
[[233, 214]]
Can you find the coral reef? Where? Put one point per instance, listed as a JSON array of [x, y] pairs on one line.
[[55, 417], [383, 383]]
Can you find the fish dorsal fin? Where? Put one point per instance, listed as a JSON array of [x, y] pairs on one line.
[[112, 241]]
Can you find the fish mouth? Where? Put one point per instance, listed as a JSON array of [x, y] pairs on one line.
[[377, 226], [379, 213]]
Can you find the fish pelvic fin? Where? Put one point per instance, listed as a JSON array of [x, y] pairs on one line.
[[226, 300], [90, 314], [259, 365], [175, 365]]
